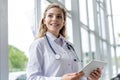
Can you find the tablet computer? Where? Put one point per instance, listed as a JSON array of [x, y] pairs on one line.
[[94, 64]]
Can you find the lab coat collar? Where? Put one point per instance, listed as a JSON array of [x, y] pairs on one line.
[[53, 38]]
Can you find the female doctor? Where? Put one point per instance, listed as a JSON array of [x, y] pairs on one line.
[[51, 57]]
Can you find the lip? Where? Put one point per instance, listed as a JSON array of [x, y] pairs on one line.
[[54, 24]]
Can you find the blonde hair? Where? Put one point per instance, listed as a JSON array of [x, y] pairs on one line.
[[42, 27]]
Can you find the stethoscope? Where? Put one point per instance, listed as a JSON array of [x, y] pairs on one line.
[[58, 56]]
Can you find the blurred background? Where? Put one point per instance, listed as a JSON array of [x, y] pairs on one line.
[[93, 26]]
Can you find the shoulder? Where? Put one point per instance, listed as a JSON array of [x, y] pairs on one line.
[[38, 42], [36, 49]]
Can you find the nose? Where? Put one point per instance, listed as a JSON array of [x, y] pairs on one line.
[[54, 18]]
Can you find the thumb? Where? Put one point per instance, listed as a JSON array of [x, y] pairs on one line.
[[81, 73], [71, 74], [88, 78]]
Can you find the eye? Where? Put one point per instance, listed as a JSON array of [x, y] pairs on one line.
[[59, 17], [50, 16]]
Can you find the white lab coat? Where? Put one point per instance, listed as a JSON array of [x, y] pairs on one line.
[[42, 64]]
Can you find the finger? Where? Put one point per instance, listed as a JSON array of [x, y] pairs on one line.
[[99, 70], [81, 73], [93, 75], [74, 77], [89, 78], [97, 73], [77, 76]]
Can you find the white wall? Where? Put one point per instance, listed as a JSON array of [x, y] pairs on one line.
[[3, 40]]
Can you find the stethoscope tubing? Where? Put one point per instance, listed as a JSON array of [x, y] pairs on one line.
[[50, 45], [68, 45]]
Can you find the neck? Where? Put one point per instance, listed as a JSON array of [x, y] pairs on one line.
[[56, 34]]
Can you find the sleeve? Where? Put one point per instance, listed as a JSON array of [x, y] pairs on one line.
[[35, 64]]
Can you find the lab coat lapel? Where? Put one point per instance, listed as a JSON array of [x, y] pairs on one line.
[[58, 49]]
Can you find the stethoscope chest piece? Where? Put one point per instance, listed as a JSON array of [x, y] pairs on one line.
[[57, 56]]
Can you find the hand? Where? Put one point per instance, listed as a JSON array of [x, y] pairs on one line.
[[72, 76], [95, 74]]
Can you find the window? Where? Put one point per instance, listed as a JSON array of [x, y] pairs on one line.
[[21, 30]]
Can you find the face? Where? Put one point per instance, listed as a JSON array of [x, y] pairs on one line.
[[54, 20]]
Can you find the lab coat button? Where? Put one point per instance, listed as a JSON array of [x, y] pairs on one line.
[[75, 60]]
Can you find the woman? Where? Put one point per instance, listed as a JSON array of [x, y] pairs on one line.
[[51, 56]]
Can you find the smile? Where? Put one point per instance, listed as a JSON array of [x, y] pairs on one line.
[[54, 24]]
